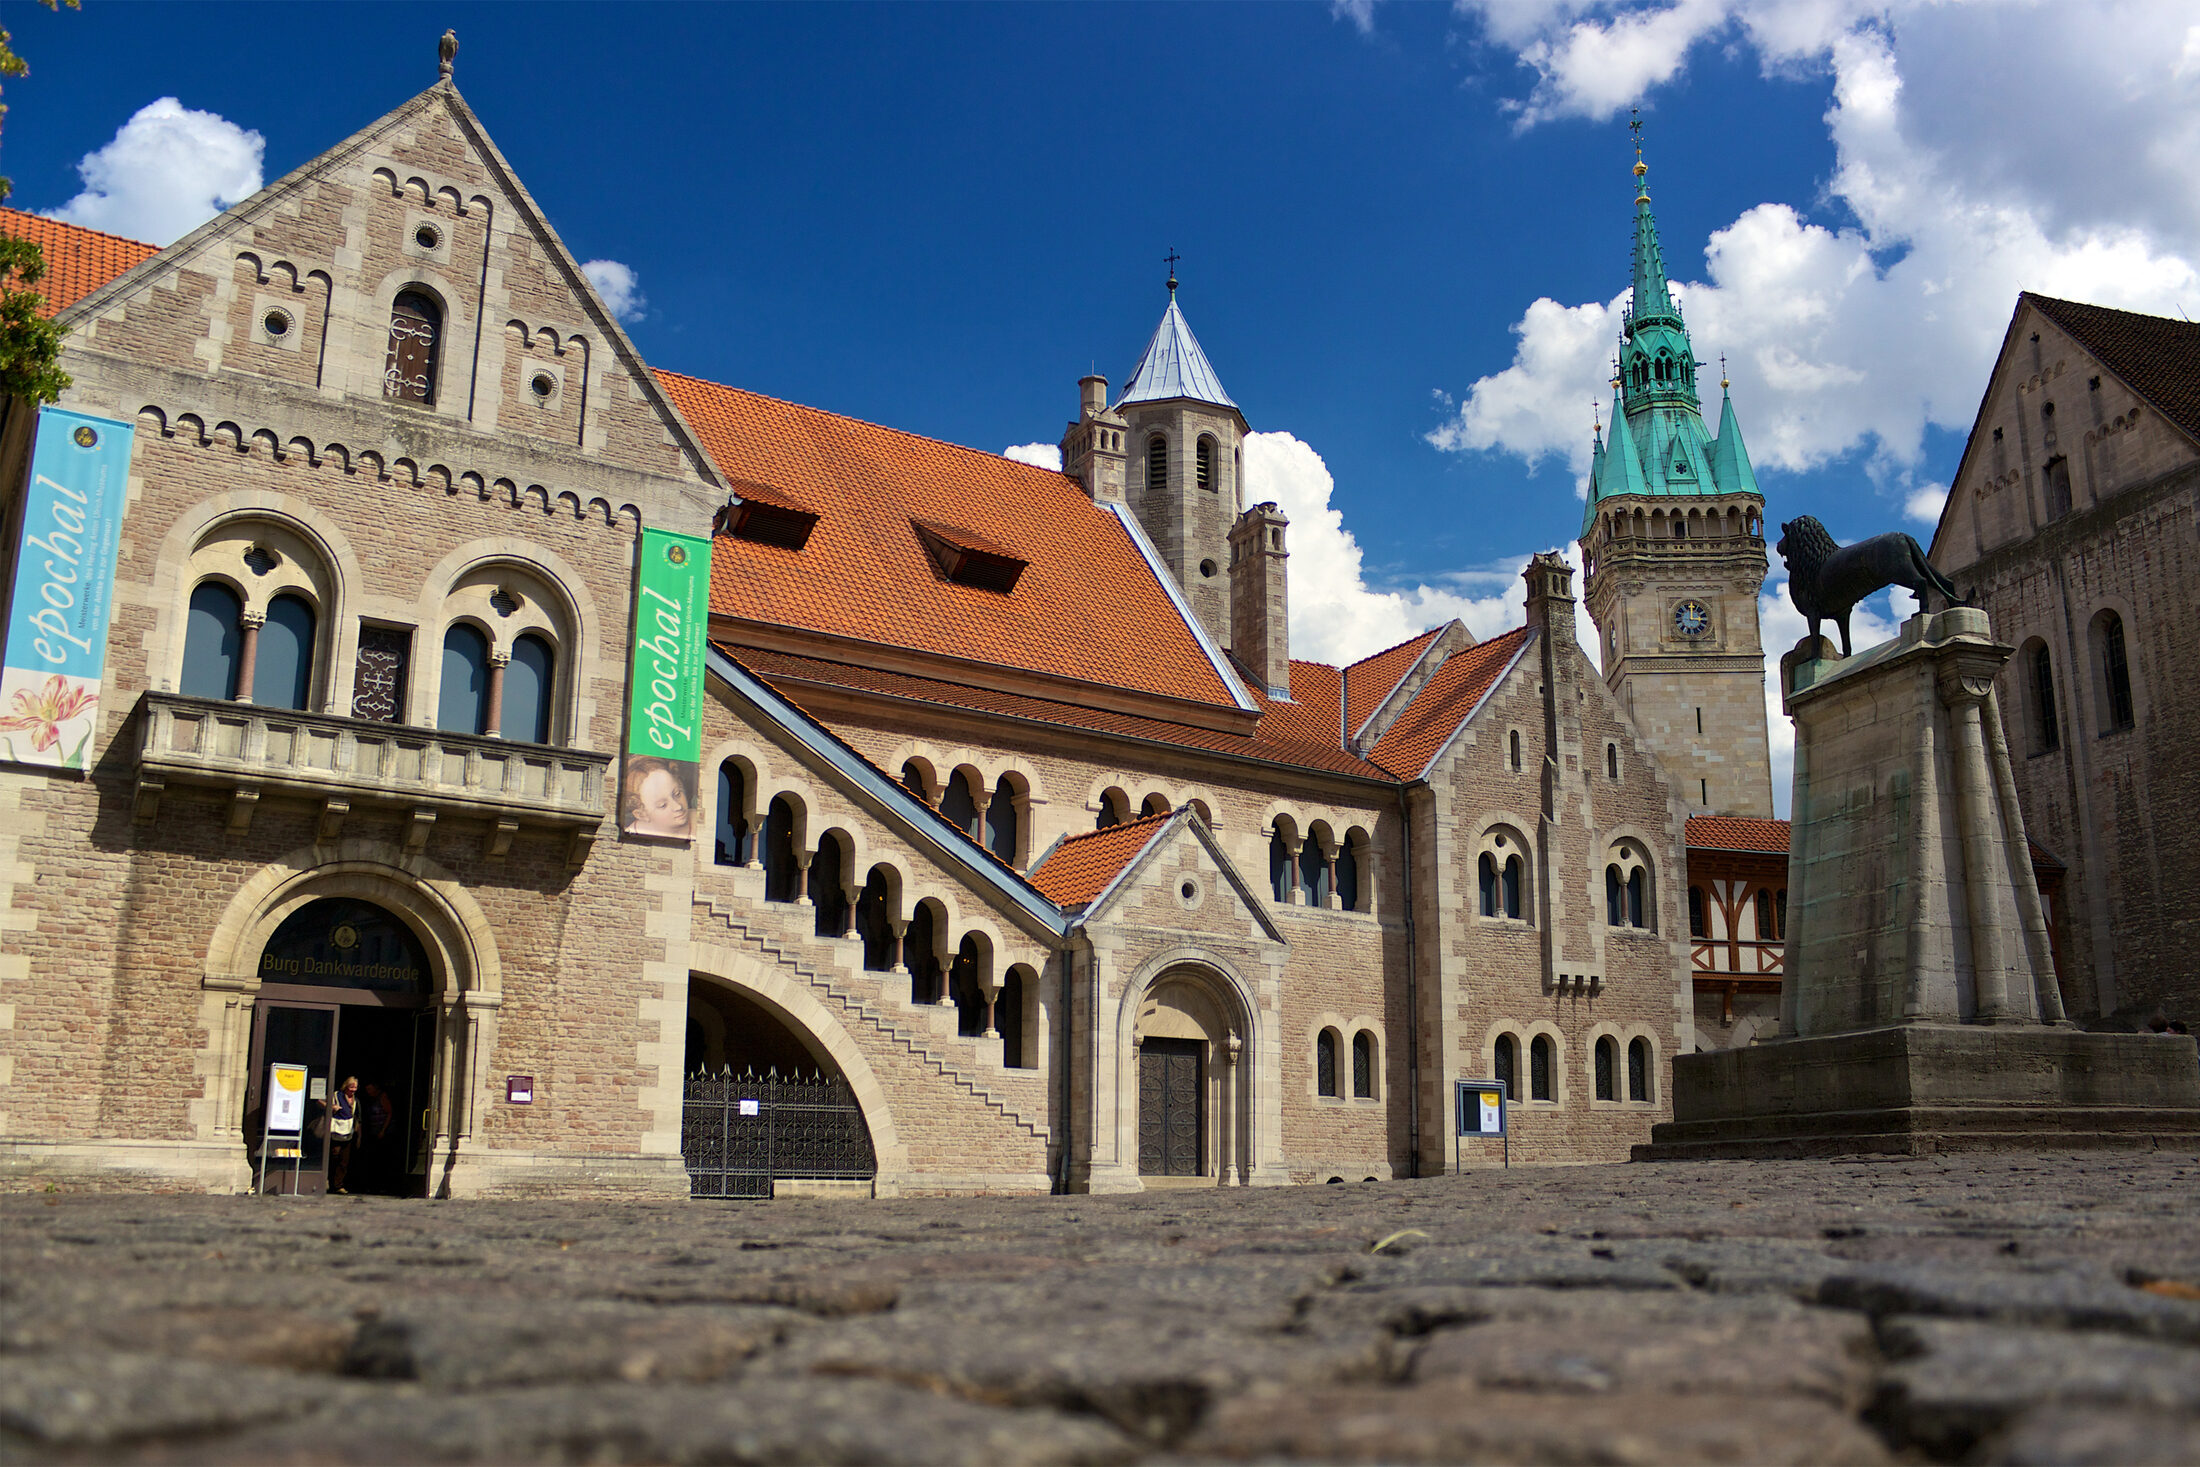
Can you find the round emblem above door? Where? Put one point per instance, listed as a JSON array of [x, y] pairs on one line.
[[1691, 619]]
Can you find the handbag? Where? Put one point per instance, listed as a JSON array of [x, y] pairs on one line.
[[340, 1127]]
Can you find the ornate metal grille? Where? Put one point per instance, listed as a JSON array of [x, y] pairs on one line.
[[378, 680], [739, 1133], [1169, 1089]]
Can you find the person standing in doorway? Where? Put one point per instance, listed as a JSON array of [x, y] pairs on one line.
[[343, 1132]]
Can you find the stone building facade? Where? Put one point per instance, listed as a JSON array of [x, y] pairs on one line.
[[2072, 520], [1016, 822]]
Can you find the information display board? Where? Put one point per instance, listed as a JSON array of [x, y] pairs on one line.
[[1479, 1113]]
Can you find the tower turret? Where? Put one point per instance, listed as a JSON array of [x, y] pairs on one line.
[[1093, 445], [1673, 538]]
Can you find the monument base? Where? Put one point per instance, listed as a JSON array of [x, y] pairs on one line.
[[1914, 1089]]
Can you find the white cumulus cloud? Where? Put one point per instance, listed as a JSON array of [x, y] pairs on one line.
[[620, 288], [1045, 455], [1924, 503], [168, 170]]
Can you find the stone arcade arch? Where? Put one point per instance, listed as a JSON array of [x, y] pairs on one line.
[[1188, 1030]]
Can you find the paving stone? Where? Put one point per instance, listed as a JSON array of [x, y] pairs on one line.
[[2075, 1298], [84, 1399], [520, 1344], [1446, 1422], [2093, 1437]]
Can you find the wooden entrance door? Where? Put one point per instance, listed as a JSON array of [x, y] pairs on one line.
[[1170, 1113]]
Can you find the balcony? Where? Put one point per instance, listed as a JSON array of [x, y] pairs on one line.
[[344, 764]]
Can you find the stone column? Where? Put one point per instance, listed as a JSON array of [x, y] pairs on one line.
[[992, 998], [1292, 845], [899, 928], [493, 724], [248, 652], [850, 895], [1329, 859], [1964, 684], [802, 858], [1229, 1144]]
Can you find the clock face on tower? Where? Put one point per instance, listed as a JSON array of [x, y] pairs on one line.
[[1691, 619]]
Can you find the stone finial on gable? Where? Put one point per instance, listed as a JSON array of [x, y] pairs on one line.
[[446, 52]]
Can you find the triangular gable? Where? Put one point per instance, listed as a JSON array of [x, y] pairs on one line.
[[1447, 703], [1169, 833], [1394, 679], [289, 191]]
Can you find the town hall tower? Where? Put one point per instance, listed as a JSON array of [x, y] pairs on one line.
[[1673, 539]]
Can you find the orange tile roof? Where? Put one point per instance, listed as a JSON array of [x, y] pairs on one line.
[[1301, 734], [1081, 867], [1088, 608], [1371, 679], [1443, 703], [78, 260], [1736, 833]]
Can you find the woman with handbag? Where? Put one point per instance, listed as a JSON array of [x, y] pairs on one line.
[[343, 1131]]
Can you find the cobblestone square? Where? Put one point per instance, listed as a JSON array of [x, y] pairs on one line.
[[2002, 1308]]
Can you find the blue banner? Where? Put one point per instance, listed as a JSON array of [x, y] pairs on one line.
[[63, 589]]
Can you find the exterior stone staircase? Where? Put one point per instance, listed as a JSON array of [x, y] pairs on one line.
[[926, 1032]]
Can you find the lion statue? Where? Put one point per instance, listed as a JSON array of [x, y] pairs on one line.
[[1827, 580]]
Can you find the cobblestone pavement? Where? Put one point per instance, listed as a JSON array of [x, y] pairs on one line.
[[1994, 1309]]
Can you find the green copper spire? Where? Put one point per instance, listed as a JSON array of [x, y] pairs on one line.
[[1658, 444]]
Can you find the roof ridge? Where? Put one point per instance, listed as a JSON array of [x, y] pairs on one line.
[[145, 244], [1115, 829], [789, 402], [1385, 652]]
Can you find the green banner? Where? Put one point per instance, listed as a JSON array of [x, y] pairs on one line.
[[664, 726]]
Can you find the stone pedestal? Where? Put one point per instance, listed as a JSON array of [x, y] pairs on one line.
[[1919, 1010]]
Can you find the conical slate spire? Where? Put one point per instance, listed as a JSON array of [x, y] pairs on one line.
[[1653, 297], [1173, 365]]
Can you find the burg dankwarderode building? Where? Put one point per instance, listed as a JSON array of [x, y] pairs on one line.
[[643, 785]]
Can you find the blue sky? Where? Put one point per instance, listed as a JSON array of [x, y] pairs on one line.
[[1402, 226]]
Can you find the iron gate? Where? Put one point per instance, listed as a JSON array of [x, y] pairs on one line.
[[738, 1133]]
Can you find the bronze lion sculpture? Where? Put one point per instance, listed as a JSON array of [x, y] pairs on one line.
[[1827, 580]]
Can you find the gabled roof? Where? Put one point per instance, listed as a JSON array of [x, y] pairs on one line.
[[2156, 357], [1372, 679], [1083, 866], [1445, 703], [1737, 833], [78, 260], [1174, 366], [1087, 608]]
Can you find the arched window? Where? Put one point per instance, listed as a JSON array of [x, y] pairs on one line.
[[1698, 926], [1363, 1066], [828, 888], [1607, 1068], [912, 780], [1512, 879], [1325, 1062], [462, 705], [920, 953], [528, 682], [1780, 911], [1008, 1020], [1615, 898], [1768, 930], [1314, 873], [1154, 804], [1635, 884], [1114, 809], [1638, 1069], [1157, 462], [1512, 741], [1486, 867], [1542, 1057], [1626, 889], [211, 639], [1206, 463], [874, 924], [416, 333], [1348, 876], [782, 877], [1611, 761], [282, 674], [2046, 727], [733, 824], [1281, 870], [2115, 672], [1000, 821], [1505, 1059], [2057, 477], [960, 803], [966, 990]]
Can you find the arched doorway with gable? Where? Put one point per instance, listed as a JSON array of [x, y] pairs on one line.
[[1191, 1084]]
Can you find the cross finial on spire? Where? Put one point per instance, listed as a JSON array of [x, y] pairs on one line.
[[1172, 257], [1722, 371]]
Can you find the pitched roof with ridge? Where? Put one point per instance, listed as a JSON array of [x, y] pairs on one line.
[[1373, 678], [1087, 608], [1736, 833], [1448, 700], [1080, 868], [78, 260], [2158, 358], [1174, 366]]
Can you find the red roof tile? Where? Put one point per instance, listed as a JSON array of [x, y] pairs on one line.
[[2157, 357], [1444, 702], [1372, 679], [78, 260], [1087, 608], [1301, 734], [1736, 833], [1081, 867]]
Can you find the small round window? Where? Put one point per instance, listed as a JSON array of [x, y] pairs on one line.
[[426, 237], [543, 386], [1208, 568], [276, 324]]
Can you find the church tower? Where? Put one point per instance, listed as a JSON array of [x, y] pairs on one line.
[[1184, 463], [1673, 539]]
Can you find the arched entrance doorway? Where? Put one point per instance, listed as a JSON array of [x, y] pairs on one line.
[[763, 1103], [346, 989], [1191, 1122]]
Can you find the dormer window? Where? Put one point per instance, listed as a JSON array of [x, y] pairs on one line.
[[416, 329], [762, 515], [968, 558]]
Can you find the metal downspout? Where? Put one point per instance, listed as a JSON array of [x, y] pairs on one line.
[[1413, 1002], [1068, 1026]]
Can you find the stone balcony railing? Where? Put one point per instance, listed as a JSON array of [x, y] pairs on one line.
[[354, 763]]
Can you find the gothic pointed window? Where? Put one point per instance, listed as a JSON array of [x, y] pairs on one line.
[[416, 331]]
